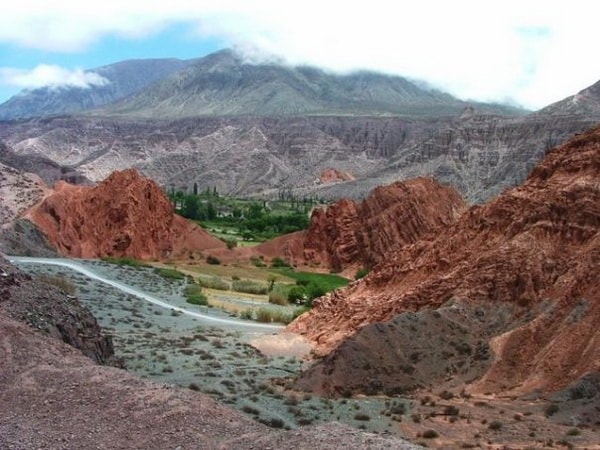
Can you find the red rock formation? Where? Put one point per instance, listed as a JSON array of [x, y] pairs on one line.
[[349, 234], [334, 176], [125, 215], [535, 248]]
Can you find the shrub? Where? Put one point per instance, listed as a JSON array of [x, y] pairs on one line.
[[193, 294], [257, 261], [495, 425], [171, 274], [249, 287], [360, 273], [279, 262], [247, 314], [124, 261], [551, 409], [451, 410], [574, 432], [231, 243], [430, 434], [297, 294], [362, 416], [210, 259], [250, 410], [446, 395]]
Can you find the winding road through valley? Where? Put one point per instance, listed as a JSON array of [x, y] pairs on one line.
[[206, 318]]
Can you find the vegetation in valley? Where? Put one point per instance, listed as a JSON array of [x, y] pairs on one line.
[[241, 221]]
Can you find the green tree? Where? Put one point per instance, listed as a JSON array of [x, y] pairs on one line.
[[191, 206]]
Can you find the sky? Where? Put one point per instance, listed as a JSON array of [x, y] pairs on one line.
[[528, 53]]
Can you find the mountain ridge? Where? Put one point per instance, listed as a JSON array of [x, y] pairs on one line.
[[224, 84], [124, 78]]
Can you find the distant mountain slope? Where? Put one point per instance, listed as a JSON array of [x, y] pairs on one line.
[[224, 84], [124, 78], [584, 103]]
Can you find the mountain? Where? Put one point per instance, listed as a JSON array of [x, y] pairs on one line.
[[125, 215], [584, 103], [223, 84], [122, 79], [249, 156], [505, 299]]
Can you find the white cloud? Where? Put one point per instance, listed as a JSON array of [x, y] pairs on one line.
[[530, 51], [50, 76]]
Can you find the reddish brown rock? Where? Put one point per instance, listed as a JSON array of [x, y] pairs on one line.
[[125, 215], [335, 176], [535, 249], [350, 234]]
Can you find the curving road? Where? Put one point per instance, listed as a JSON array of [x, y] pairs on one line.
[[212, 320]]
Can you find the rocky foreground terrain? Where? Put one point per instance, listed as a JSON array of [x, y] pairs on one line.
[[52, 396], [505, 299]]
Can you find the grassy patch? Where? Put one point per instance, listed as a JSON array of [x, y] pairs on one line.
[[249, 287], [171, 274], [214, 282], [125, 261], [328, 281]]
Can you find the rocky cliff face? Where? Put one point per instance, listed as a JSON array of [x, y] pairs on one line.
[[126, 215], [479, 156], [348, 234], [53, 312], [18, 192], [533, 252]]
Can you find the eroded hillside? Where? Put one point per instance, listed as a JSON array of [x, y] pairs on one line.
[[515, 278], [349, 235], [126, 215]]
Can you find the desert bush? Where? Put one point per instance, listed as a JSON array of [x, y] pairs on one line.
[[210, 259], [171, 274], [446, 395], [257, 261], [362, 416], [125, 261], [551, 409], [279, 262], [451, 410], [246, 314], [193, 294], [430, 434], [60, 282], [231, 243], [495, 425], [249, 287]]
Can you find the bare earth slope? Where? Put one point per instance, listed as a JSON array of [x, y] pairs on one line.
[[532, 255], [54, 397], [126, 215], [350, 234]]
